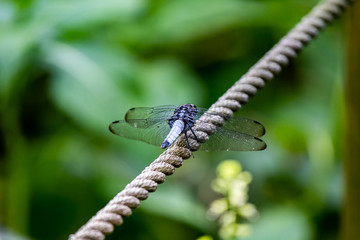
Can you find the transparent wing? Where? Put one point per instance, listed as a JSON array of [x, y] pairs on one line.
[[150, 125], [227, 140], [145, 117], [153, 134], [239, 124]]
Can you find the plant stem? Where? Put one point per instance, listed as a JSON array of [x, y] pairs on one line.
[[351, 212]]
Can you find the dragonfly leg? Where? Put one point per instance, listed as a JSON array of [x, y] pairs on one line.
[[188, 145], [187, 141], [194, 134]]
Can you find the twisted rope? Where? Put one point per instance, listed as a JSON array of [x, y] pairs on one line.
[[273, 61]]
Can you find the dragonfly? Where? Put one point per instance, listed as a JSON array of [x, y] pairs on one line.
[[162, 125]]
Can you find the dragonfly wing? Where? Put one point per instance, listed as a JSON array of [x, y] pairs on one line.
[[145, 117], [239, 124], [153, 134], [228, 140], [245, 125]]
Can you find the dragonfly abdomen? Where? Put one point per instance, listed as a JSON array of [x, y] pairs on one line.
[[175, 131]]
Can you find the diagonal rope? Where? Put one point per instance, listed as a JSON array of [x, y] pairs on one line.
[[272, 63]]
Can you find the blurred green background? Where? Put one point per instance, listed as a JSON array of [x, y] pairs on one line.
[[69, 68]]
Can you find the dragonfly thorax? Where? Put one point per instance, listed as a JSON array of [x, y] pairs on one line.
[[180, 122], [186, 113]]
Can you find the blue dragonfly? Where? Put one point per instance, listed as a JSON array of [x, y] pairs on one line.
[[161, 126]]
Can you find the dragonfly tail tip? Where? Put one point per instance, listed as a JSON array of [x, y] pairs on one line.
[[165, 144]]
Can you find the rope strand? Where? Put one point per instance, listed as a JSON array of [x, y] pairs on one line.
[[264, 70]]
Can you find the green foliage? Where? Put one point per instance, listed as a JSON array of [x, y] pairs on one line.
[[69, 68]]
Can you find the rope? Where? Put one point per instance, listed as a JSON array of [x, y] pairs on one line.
[[273, 61]]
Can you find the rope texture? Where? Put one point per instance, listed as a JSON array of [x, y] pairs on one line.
[[279, 56]]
